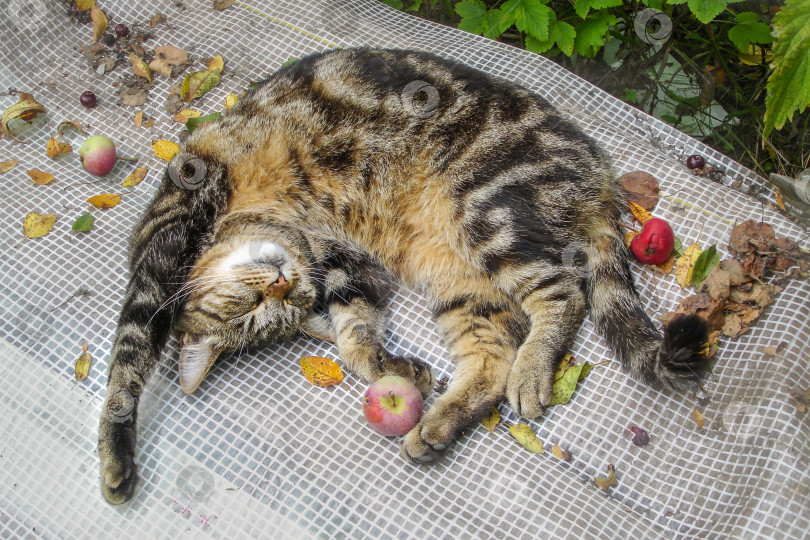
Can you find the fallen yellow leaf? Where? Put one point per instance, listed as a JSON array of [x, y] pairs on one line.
[[609, 481], [559, 453], [628, 237], [37, 225], [165, 150], [56, 148], [149, 123], [321, 371], [135, 177], [99, 22], [138, 119], [230, 101], [105, 200], [183, 116], [667, 266], [526, 437], [25, 109], [84, 5], [6, 166], [82, 365], [686, 264], [779, 201], [492, 420], [39, 177], [216, 64], [698, 418], [639, 212], [140, 67]]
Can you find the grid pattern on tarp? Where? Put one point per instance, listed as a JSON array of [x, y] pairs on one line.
[[268, 454]]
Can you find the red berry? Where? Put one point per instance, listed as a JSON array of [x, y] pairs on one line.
[[88, 99], [695, 162], [121, 30]]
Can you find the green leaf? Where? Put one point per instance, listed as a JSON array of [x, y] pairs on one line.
[[656, 4], [492, 420], [678, 249], [706, 10], [416, 5], [582, 7], [590, 34], [289, 62], [565, 385], [703, 265], [84, 223], [526, 437], [496, 22], [789, 84], [472, 14], [531, 17], [197, 84], [192, 123], [629, 95], [396, 4], [749, 30], [560, 33], [676, 2]]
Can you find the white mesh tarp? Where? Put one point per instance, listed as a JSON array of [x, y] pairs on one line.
[[258, 451]]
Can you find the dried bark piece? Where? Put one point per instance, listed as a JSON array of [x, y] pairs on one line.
[[641, 188]]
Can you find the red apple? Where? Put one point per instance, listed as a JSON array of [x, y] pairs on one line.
[[392, 405], [97, 155], [655, 242]]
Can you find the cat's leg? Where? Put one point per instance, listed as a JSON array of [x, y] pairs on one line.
[[483, 330], [556, 308], [355, 293]]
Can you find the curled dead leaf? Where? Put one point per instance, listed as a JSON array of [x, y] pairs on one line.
[[26, 109], [321, 371], [38, 225], [40, 178], [99, 22], [779, 201], [105, 200], [68, 123], [56, 148], [609, 481], [639, 213]]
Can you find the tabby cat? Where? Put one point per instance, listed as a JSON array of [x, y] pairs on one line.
[[352, 168]]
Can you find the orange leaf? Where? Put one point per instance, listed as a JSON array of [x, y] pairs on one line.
[[105, 200], [40, 178], [698, 419], [56, 148], [99, 22], [779, 202], [641, 215], [321, 371]]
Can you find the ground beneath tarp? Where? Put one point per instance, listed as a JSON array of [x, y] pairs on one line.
[[260, 452]]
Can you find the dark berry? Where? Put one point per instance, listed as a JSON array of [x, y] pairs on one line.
[[637, 436], [108, 39], [121, 30], [695, 162], [88, 99]]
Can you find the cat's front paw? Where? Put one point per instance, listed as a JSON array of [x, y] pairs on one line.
[[412, 369], [529, 393], [116, 452], [426, 442]]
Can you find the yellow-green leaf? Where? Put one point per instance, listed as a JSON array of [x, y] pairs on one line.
[[685, 265], [165, 150], [183, 116], [82, 365], [608, 481], [526, 437], [84, 5], [37, 225], [492, 420], [321, 371], [140, 67], [196, 84], [135, 177], [565, 385], [216, 64], [105, 200]]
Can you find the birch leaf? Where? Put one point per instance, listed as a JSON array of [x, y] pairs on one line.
[[139, 67], [105, 200], [321, 371], [526, 437], [183, 116], [216, 64], [197, 84], [25, 109], [135, 177], [37, 225], [56, 148], [84, 223], [99, 22], [492, 420], [40, 178], [6, 166], [641, 214], [82, 365], [609, 481], [165, 150], [230, 101], [685, 265]]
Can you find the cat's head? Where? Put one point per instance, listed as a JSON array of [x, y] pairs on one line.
[[241, 292]]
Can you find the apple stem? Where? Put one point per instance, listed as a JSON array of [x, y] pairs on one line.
[[126, 158], [393, 397]]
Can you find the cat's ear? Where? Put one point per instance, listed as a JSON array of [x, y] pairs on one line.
[[197, 355]]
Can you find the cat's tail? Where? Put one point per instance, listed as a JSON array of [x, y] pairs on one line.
[[677, 360]]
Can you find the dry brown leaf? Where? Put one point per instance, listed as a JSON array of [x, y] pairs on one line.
[[133, 96], [735, 272], [68, 123], [139, 67], [135, 177], [732, 325], [778, 198], [641, 188], [698, 418], [157, 19], [99, 22], [105, 200], [161, 67], [641, 214], [321, 371], [609, 481], [6, 166], [40, 178], [686, 264], [149, 123], [171, 55], [219, 5], [751, 235], [37, 225], [56, 148], [559, 453], [770, 351], [717, 283], [183, 116], [138, 119], [165, 150]]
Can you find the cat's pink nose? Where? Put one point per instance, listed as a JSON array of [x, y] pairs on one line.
[[279, 288]]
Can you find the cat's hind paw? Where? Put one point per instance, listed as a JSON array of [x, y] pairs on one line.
[[529, 393], [425, 443]]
